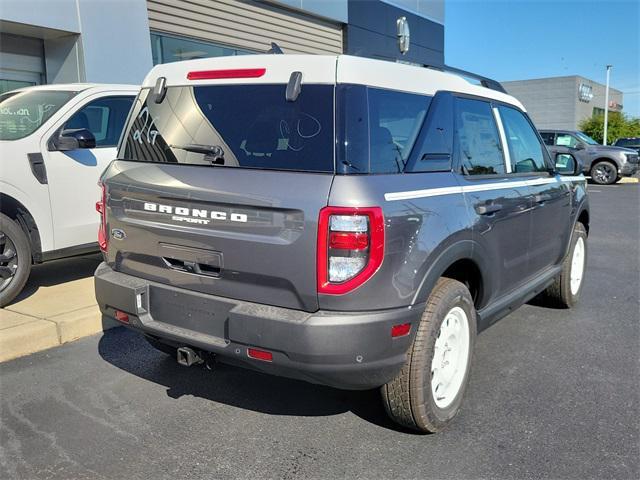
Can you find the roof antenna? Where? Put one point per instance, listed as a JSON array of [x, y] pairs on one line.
[[275, 49]]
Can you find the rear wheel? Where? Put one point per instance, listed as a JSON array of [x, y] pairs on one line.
[[566, 288], [604, 173], [15, 259], [427, 393]]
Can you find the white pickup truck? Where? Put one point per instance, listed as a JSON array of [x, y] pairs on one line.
[[55, 141]]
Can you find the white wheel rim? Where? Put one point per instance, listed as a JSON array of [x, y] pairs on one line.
[[577, 266], [450, 357]]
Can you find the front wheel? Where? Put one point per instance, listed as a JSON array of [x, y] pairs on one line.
[[427, 393], [565, 289], [604, 173], [15, 259]]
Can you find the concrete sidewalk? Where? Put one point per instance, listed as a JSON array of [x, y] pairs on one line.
[[57, 306]]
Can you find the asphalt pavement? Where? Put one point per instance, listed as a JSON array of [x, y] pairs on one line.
[[553, 394]]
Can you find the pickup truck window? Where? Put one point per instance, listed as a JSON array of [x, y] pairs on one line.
[[23, 113], [104, 118]]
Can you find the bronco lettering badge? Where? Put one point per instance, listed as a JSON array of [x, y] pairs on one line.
[[195, 215]]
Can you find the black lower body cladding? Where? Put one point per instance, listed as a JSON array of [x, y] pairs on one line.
[[349, 350]]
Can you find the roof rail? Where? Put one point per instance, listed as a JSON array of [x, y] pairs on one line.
[[484, 81]]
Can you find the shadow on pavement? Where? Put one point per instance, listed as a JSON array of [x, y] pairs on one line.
[[59, 271], [237, 387]]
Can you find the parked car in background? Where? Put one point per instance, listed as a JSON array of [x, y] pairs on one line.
[[341, 220], [628, 142], [606, 164], [55, 141]]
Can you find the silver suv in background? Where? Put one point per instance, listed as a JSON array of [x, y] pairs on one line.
[[606, 164]]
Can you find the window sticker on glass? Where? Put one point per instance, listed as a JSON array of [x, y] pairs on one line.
[[565, 141]]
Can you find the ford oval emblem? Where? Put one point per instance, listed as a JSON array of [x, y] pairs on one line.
[[118, 234]]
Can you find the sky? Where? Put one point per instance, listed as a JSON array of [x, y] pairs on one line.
[[518, 40]]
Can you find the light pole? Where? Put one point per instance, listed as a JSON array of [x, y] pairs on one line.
[[606, 106]]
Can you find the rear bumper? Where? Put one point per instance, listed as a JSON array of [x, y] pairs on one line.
[[349, 350]]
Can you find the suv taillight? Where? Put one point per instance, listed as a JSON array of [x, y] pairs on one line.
[[101, 206], [350, 247]]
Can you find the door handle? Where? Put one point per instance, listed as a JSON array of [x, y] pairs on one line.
[[541, 198], [488, 208]]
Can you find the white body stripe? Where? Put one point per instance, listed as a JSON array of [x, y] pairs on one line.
[[435, 192]]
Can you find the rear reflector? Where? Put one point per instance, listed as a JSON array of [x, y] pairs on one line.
[[122, 317], [220, 74], [259, 354], [400, 330]]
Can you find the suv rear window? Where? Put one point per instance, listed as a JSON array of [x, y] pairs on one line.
[[253, 125]]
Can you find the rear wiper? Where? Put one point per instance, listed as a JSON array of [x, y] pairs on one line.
[[212, 153]]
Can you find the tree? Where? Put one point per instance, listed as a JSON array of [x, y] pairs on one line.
[[619, 126]]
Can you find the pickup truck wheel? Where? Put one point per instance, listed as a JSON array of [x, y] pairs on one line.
[[427, 393], [604, 173], [15, 259], [566, 288]]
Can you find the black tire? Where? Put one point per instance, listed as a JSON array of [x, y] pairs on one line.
[[15, 259], [162, 347], [408, 398], [559, 293], [604, 173]]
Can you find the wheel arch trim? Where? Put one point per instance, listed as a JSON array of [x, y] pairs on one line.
[[16, 210], [438, 265]]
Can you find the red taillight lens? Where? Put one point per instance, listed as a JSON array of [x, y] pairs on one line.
[[350, 247], [259, 354], [222, 74], [101, 209]]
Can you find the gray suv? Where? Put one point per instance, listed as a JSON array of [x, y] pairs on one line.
[[606, 164], [340, 220]]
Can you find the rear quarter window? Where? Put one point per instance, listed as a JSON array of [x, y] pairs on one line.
[[377, 128]]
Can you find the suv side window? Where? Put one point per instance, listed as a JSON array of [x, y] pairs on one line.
[[525, 149], [476, 138], [547, 137], [566, 140], [104, 118], [395, 119]]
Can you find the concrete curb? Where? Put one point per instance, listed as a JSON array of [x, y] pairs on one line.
[[57, 306], [22, 334], [629, 180]]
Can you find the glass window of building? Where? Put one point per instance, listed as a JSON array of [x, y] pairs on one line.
[[168, 48]]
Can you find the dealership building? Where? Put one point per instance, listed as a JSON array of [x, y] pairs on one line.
[[563, 102], [118, 41]]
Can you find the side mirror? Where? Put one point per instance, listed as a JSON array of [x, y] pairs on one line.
[[579, 146], [567, 164], [75, 139]]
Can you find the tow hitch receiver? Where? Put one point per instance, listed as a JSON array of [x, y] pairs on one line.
[[188, 357]]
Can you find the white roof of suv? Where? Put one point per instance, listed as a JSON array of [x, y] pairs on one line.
[[77, 87], [325, 69]]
